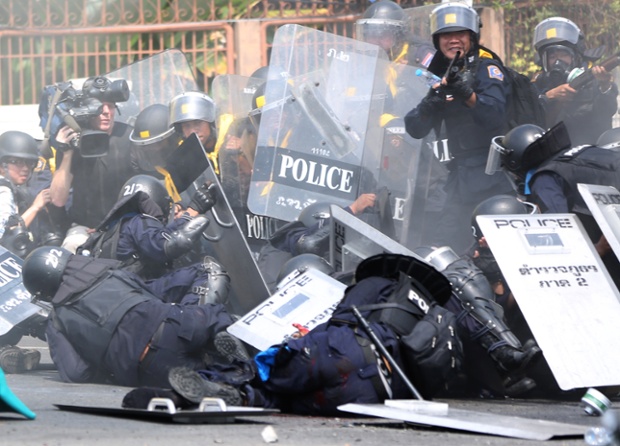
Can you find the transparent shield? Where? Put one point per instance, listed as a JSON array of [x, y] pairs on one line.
[[236, 147], [318, 135], [153, 80]]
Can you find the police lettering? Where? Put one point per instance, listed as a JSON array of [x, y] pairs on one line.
[[9, 270], [413, 296], [399, 209], [311, 172], [606, 198], [259, 227], [517, 223]]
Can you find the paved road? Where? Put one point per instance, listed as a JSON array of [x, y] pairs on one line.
[[41, 389]]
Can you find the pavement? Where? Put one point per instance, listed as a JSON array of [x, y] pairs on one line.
[[41, 389]]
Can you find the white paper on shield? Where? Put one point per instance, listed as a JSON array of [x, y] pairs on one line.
[[564, 291]]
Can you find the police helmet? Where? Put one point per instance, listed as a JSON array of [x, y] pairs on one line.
[[515, 143], [151, 125], [503, 204], [559, 33], [151, 186], [315, 213], [302, 263], [454, 16], [191, 106], [383, 19], [609, 139], [18, 144], [43, 269]]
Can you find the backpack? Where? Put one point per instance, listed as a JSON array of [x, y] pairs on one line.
[[432, 352], [524, 107]]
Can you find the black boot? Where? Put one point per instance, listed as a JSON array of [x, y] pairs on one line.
[[508, 358]]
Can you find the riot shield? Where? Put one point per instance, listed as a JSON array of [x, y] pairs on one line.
[[153, 80], [225, 239], [236, 146], [15, 305], [604, 204], [318, 135]]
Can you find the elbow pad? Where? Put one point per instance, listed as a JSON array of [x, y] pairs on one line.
[[184, 239]]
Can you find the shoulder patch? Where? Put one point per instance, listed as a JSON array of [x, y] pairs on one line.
[[495, 72]]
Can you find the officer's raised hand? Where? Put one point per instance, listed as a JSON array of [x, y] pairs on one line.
[[459, 88], [432, 103], [204, 198]]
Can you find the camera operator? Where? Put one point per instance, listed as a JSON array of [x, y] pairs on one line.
[[88, 185], [19, 155]]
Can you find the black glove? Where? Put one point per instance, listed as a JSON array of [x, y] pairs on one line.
[[204, 198], [459, 89], [431, 103]]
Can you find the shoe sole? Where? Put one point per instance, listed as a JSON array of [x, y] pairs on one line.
[[187, 383], [230, 348]]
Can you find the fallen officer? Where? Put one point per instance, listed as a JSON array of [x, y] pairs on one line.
[[108, 325], [402, 298]]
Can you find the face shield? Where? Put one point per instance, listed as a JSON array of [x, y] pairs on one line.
[[381, 32], [494, 160]]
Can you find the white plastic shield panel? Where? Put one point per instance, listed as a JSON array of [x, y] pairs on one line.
[[303, 303], [564, 292], [604, 203]]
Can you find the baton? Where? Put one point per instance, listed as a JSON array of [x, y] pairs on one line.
[[379, 345]]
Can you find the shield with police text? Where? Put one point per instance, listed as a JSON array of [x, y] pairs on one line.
[[235, 97], [315, 139], [564, 291], [15, 301]]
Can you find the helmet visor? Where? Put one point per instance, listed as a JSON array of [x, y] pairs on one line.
[[494, 160]]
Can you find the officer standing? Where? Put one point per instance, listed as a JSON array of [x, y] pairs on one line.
[[194, 112], [108, 325], [587, 111], [471, 100]]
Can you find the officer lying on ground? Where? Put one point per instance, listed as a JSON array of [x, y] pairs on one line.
[[107, 324]]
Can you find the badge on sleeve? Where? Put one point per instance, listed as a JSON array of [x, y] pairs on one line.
[[495, 73]]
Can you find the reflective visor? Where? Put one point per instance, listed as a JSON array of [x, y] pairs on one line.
[[494, 161]]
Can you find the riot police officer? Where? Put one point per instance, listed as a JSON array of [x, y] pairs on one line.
[[545, 167], [106, 324], [153, 140], [471, 100], [586, 111], [138, 232], [19, 155], [385, 24], [194, 112]]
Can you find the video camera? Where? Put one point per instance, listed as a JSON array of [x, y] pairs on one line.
[[62, 104]]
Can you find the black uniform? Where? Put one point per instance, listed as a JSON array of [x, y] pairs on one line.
[[109, 325], [587, 116], [98, 181], [469, 132]]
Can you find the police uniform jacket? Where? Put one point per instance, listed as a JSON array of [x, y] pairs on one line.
[[469, 130], [587, 116], [553, 185]]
